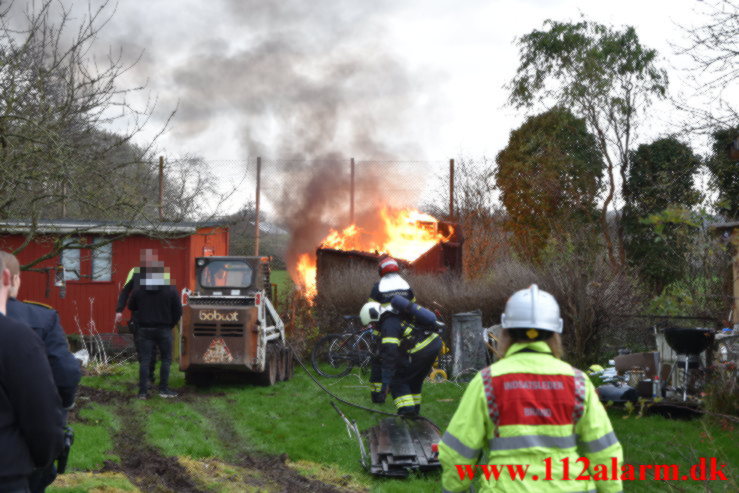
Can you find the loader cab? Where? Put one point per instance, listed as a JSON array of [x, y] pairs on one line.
[[231, 276], [229, 323]]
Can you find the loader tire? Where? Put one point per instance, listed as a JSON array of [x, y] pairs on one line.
[[285, 364], [281, 368], [268, 377], [289, 364]]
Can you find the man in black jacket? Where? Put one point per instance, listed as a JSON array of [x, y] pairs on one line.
[[31, 425], [64, 366], [45, 322], [149, 260], [158, 309]]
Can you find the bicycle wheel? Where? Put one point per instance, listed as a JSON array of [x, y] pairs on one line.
[[333, 355], [363, 351]]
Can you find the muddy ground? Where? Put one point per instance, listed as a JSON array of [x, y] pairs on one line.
[[147, 468], [273, 467]]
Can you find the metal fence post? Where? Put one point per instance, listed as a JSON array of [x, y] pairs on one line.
[[161, 188], [256, 220], [451, 188], [351, 193]]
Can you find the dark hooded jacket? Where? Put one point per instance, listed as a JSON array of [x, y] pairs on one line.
[[31, 433], [45, 322], [156, 305]]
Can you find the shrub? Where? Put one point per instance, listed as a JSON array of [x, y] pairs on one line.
[[592, 296], [722, 390], [342, 292], [452, 295], [300, 325]]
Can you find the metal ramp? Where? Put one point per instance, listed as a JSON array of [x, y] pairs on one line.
[[397, 446]]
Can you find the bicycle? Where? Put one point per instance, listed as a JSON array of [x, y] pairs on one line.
[[335, 355], [443, 363]]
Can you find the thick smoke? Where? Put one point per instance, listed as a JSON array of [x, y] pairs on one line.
[[307, 84], [312, 85]]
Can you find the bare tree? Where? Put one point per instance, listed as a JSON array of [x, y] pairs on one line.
[[58, 160], [713, 48], [477, 209]]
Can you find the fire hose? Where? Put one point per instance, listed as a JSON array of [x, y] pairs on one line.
[[420, 316], [351, 426], [352, 404]]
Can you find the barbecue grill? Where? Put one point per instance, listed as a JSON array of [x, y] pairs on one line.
[[688, 343], [689, 340]]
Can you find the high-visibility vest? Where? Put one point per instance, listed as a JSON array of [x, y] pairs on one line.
[[136, 270], [525, 409]]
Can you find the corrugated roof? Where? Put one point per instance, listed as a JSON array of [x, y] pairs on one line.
[[59, 226], [270, 228]]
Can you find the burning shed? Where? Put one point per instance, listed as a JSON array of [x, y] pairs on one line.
[[444, 256], [417, 240]]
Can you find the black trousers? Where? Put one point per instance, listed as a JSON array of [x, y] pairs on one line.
[[14, 485], [150, 340], [137, 344], [411, 371], [41, 478]]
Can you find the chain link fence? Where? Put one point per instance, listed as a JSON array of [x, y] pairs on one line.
[[654, 238], [682, 266]]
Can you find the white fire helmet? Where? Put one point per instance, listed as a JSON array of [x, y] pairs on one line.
[[532, 309], [370, 312]]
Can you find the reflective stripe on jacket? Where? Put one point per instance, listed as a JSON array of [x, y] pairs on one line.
[[399, 338], [535, 414]]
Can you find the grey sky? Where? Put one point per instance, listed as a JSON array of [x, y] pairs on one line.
[[408, 80]]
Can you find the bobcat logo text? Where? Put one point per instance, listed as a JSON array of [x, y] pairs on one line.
[[215, 316]]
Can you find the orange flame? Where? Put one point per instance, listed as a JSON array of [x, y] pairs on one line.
[[307, 273], [405, 234]]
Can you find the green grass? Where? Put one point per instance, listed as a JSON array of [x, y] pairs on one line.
[[93, 438], [295, 418], [116, 379], [656, 440], [193, 435], [284, 284]]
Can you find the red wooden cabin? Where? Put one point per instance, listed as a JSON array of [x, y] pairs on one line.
[[94, 277]]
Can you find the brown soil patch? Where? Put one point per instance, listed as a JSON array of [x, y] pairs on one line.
[[86, 395], [151, 471], [101, 396], [227, 478], [194, 394], [144, 465], [273, 468]]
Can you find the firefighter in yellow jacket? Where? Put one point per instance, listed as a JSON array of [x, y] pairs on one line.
[[531, 420]]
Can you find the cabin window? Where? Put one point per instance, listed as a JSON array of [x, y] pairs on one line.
[[227, 274], [71, 264], [88, 260], [102, 260]]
